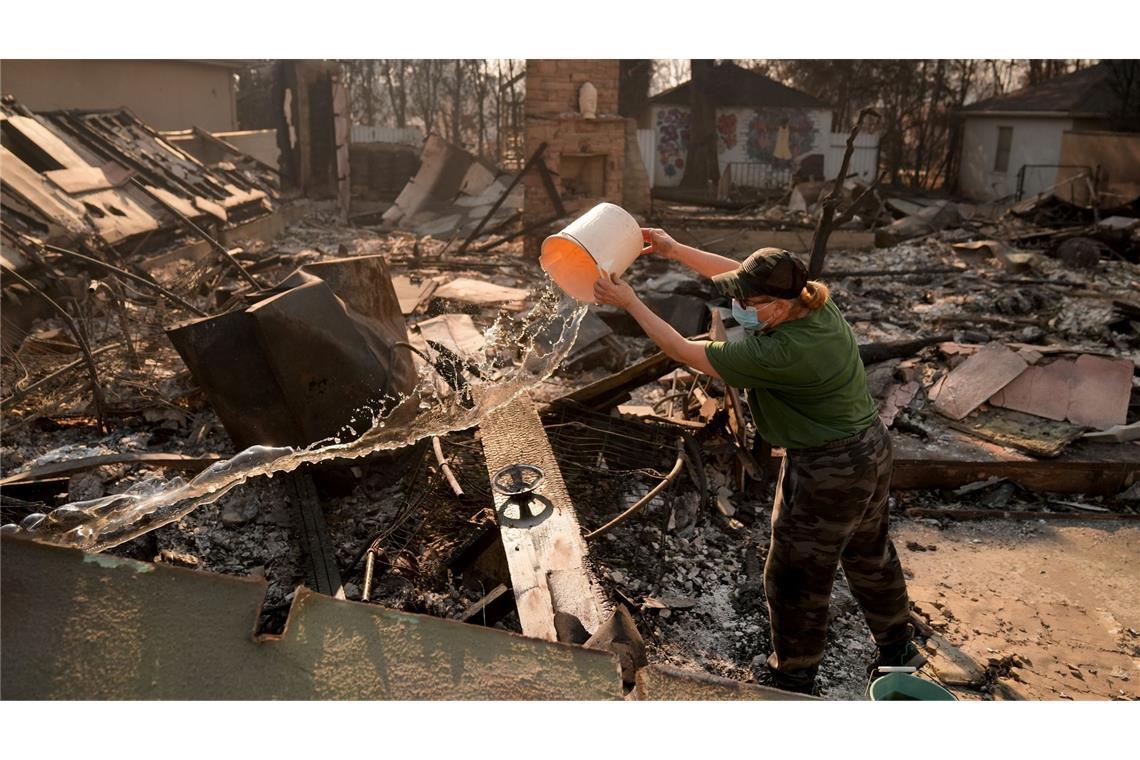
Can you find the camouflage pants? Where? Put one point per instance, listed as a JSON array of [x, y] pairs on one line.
[[831, 508]]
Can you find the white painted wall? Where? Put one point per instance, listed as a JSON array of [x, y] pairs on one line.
[[671, 122], [259, 143], [362, 133], [166, 94], [1035, 141], [864, 158], [647, 147]]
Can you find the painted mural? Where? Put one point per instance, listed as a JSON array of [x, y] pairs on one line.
[[726, 129], [778, 136], [672, 140]]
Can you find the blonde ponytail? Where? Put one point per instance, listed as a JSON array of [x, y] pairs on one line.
[[814, 295]]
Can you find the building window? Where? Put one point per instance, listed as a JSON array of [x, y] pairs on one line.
[[1005, 140]]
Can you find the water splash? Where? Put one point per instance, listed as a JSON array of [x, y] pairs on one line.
[[520, 354]]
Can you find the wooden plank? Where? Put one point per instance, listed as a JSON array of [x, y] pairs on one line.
[[1013, 514], [47, 141], [609, 391], [543, 541], [309, 520], [86, 179], [492, 608], [29, 185], [977, 379], [1100, 469], [147, 458], [1024, 432]]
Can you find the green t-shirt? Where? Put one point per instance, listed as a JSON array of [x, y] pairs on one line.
[[806, 383]]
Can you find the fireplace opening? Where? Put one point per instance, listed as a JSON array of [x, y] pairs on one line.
[[583, 175]]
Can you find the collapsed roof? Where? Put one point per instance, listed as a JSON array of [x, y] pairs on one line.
[[106, 176]]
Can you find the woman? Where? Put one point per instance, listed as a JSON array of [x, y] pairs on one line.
[[807, 391]]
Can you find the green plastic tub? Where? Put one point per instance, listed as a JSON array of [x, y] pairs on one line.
[[903, 687]]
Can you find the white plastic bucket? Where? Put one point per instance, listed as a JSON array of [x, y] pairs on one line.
[[604, 238]]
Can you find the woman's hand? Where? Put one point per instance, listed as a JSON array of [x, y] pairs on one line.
[[613, 290], [659, 242]]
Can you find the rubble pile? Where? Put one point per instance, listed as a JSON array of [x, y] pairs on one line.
[[1010, 334]]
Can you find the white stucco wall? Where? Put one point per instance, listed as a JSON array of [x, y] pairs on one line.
[[1035, 141], [745, 135], [167, 95]]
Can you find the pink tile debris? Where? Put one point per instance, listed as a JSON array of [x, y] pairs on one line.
[[977, 379], [1040, 390], [1101, 387], [1092, 391]]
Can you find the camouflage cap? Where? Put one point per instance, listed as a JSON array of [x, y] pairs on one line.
[[767, 272]]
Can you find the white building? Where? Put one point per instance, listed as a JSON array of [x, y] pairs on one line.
[[767, 133], [765, 130], [1011, 145]]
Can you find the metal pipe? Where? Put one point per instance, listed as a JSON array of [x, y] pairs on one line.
[[644, 499], [443, 465], [96, 389], [369, 567], [20, 393]]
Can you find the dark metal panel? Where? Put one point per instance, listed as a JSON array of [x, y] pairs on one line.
[[93, 626]]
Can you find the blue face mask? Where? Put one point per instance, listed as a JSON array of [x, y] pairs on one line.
[[747, 317]]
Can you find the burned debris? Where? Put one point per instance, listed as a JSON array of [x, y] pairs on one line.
[[447, 435]]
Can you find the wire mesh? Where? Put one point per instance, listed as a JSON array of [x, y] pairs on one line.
[[609, 463]]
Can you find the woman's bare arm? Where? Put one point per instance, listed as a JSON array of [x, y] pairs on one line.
[[702, 262], [613, 290], [675, 345]]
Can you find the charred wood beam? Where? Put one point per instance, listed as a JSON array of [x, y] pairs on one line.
[[871, 353], [314, 534], [612, 390], [534, 158], [496, 605], [517, 234], [849, 214], [551, 189]]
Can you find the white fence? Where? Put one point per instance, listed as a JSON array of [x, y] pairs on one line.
[[647, 146], [368, 134], [864, 159]]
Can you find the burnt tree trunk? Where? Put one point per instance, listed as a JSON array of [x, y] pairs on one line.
[[701, 168], [457, 103], [633, 85], [831, 201]]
